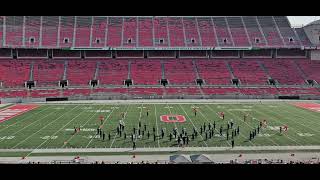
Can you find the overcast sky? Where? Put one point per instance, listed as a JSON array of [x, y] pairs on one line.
[[302, 20]]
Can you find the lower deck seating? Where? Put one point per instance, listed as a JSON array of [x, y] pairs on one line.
[[179, 71], [113, 71], [48, 73], [214, 72], [80, 72], [13, 93], [14, 73], [145, 72], [284, 71], [45, 93], [183, 91], [249, 72]]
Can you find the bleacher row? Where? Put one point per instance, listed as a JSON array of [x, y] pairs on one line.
[[48, 73], [158, 91], [99, 31]]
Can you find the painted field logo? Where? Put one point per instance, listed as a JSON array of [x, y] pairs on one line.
[[172, 118]]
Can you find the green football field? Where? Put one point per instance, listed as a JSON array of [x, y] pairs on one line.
[[52, 126]]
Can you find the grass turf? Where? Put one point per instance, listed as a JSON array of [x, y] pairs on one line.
[[47, 126]]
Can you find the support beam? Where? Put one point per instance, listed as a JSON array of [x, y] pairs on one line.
[[24, 31], [245, 29], [184, 33], [229, 31], [106, 33], [153, 31], [278, 30], [91, 31], [74, 31], [215, 32], [199, 34], [40, 33], [261, 31], [122, 29], [59, 28], [4, 32]]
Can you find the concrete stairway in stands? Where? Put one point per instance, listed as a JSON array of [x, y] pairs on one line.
[[264, 69], [195, 68], [97, 70], [65, 70], [299, 70], [129, 69], [230, 69], [31, 71], [163, 76]]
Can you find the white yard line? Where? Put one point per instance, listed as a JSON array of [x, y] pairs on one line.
[[175, 125], [44, 127], [194, 125], [304, 118], [155, 114], [56, 132], [253, 128], [83, 125], [30, 124], [19, 122], [234, 117], [102, 126], [209, 122], [283, 124], [125, 115]]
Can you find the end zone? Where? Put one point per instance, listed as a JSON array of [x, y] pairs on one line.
[[15, 110], [310, 106]]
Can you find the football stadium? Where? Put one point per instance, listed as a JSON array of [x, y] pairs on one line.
[[159, 89]]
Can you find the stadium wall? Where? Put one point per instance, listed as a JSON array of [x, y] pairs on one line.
[[138, 97]]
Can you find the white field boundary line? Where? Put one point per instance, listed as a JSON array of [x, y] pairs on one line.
[[275, 119], [188, 101], [310, 115], [18, 122], [30, 124], [169, 149], [156, 118], [194, 125], [102, 126], [125, 115], [44, 127], [93, 114], [175, 125], [57, 131], [252, 127], [294, 129], [209, 122]]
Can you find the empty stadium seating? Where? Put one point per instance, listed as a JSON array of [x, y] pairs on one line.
[[80, 72], [284, 71], [114, 36], [179, 71], [14, 73], [249, 72], [145, 31], [214, 72], [113, 72], [145, 72], [207, 32], [103, 31], [48, 73], [310, 68]]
